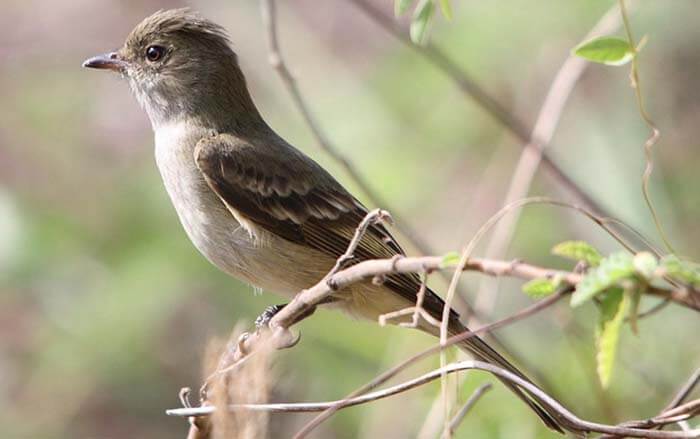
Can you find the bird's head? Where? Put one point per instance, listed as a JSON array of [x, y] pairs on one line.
[[179, 64]]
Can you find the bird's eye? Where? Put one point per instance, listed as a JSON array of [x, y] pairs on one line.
[[154, 53]]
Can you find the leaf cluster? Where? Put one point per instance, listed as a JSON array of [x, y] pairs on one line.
[[615, 283]]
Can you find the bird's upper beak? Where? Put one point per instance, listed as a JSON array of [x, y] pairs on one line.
[[106, 61]]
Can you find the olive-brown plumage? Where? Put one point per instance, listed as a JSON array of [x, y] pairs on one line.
[[255, 206]]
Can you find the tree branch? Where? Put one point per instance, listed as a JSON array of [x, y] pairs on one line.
[[573, 422], [685, 390], [471, 402], [306, 407], [470, 88]]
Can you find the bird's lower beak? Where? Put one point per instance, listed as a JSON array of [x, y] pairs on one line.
[[106, 61]]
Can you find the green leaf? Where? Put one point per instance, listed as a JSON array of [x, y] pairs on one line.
[[645, 264], [612, 314], [542, 287], [578, 251], [450, 259], [446, 8], [401, 6], [421, 21], [612, 270], [612, 51], [684, 271]]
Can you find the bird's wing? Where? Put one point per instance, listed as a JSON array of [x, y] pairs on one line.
[[294, 198]]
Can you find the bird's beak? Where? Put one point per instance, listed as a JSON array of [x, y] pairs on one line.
[[106, 61]]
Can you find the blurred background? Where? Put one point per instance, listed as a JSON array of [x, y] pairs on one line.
[[106, 309]]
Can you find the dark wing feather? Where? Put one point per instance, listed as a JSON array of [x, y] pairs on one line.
[[288, 194]]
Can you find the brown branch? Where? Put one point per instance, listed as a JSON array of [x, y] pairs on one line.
[[574, 423], [382, 267], [416, 311], [470, 88], [489, 267], [674, 408], [374, 217], [311, 297], [471, 402], [684, 391], [307, 299], [310, 407]]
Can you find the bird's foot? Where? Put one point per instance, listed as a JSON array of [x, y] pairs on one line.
[[263, 320]]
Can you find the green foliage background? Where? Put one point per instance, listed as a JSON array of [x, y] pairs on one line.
[[106, 308]]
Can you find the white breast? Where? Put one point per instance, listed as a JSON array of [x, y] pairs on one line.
[[212, 229], [183, 181]]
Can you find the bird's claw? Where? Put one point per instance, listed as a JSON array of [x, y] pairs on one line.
[[263, 320], [285, 339]]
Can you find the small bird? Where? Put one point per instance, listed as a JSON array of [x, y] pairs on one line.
[[252, 204]]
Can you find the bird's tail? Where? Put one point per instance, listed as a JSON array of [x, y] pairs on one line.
[[478, 348]]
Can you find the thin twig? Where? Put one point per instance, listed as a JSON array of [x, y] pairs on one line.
[[374, 217], [417, 311], [473, 399], [678, 414], [307, 407], [651, 311], [672, 408], [307, 299], [684, 391]]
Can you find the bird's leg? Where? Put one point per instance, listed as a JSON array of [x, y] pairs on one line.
[[263, 320]]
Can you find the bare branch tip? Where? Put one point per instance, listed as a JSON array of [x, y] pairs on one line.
[[184, 396]]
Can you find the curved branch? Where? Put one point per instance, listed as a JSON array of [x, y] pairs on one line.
[[306, 407], [572, 421]]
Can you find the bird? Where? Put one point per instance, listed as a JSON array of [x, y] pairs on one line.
[[255, 206]]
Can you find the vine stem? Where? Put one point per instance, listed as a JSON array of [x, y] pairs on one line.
[[655, 133]]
